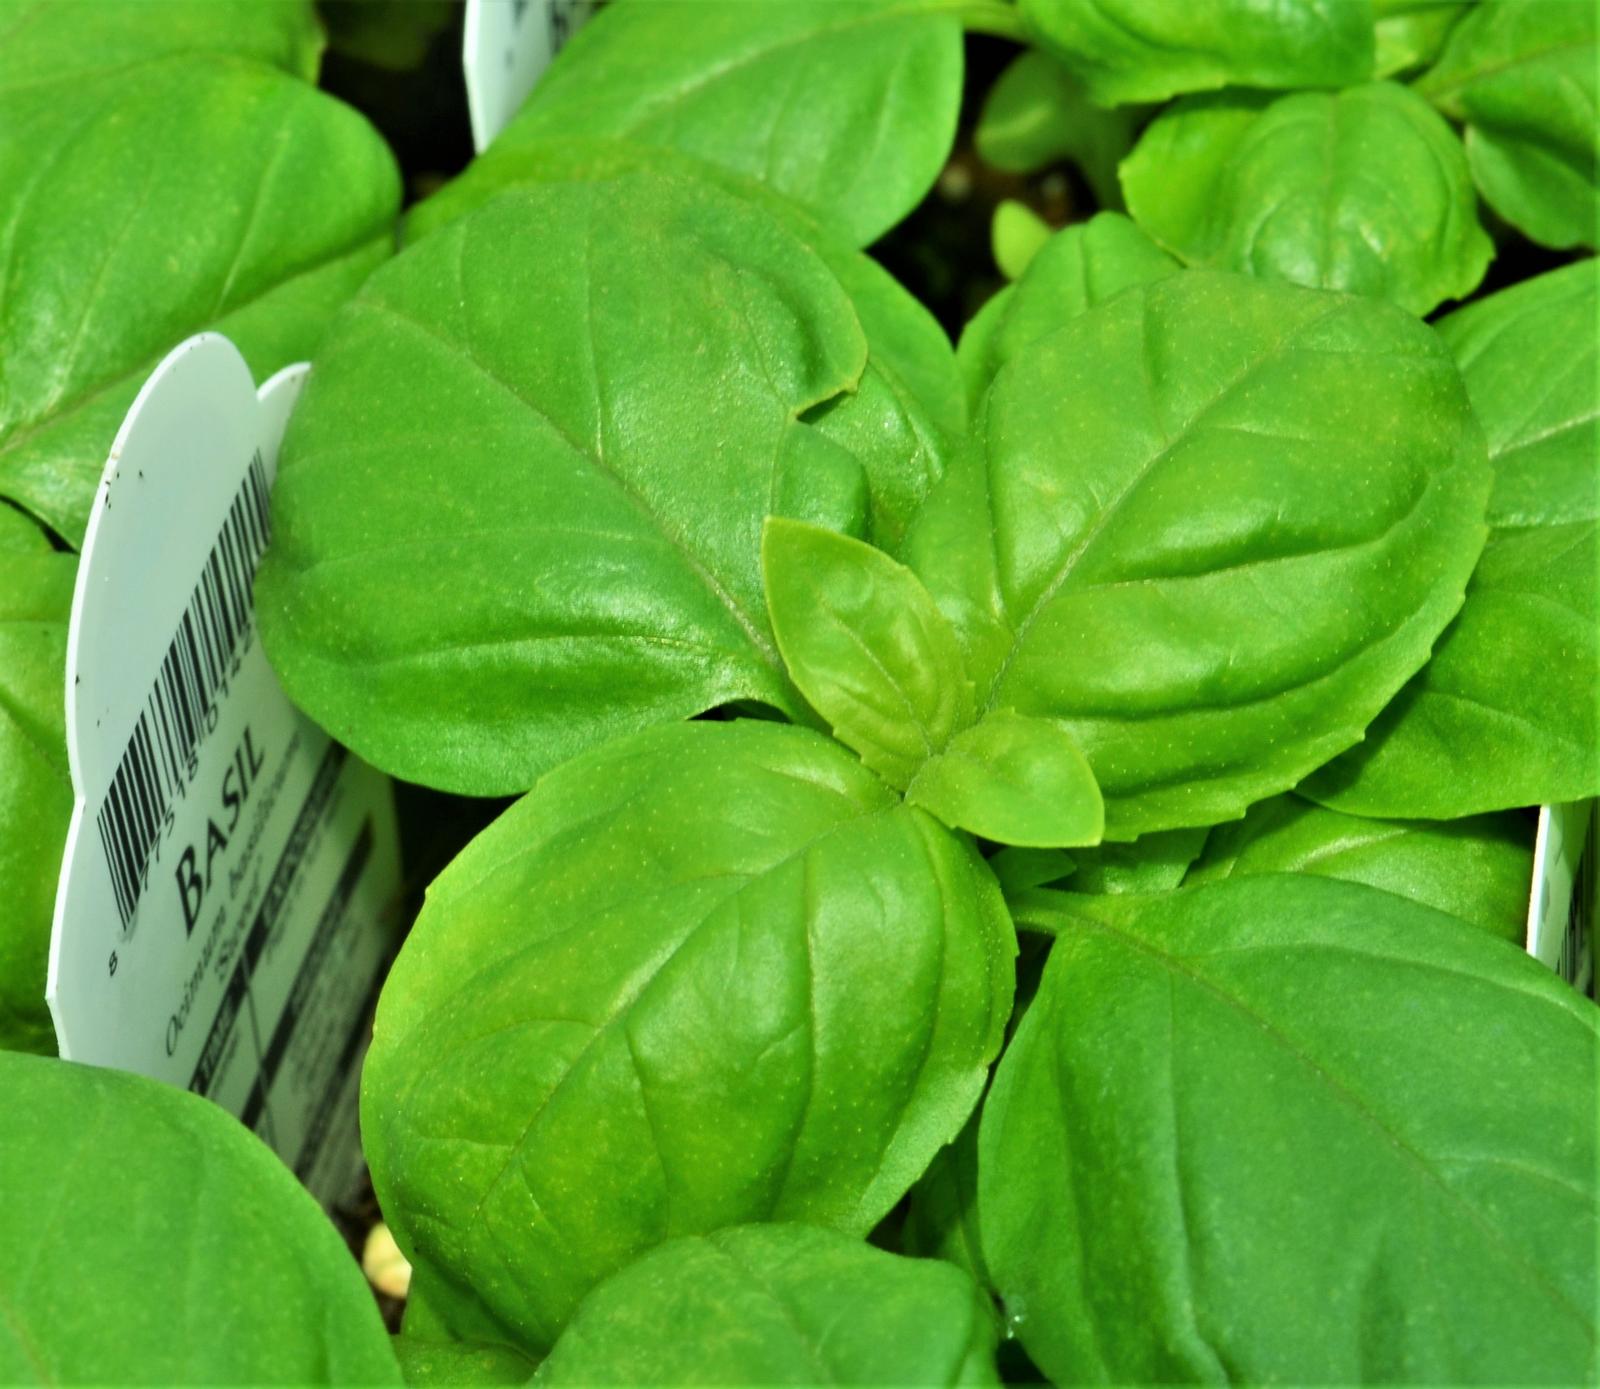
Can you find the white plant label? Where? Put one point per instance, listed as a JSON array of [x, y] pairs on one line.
[[505, 46], [227, 898], [1566, 860]]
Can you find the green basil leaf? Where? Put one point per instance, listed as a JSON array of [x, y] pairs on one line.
[[1504, 714], [1410, 33], [1151, 863], [942, 1215], [393, 35], [450, 1364], [1015, 779], [185, 194], [903, 419], [1016, 868], [866, 646], [847, 106], [1079, 267], [1365, 190], [1522, 76], [710, 974], [1184, 545], [43, 42], [1038, 113], [35, 787], [151, 1239], [1234, 1103], [1131, 50], [1016, 235], [777, 1304], [1479, 869], [606, 486]]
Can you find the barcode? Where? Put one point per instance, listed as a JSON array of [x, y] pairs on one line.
[[160, 757]]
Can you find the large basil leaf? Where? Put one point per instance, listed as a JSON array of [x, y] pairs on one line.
[[1505, 714], [1523, 76], [450, 1364], [1038, 113], [1291, 1130], [1132, 50], [1365, 190], [604, 428], [847, 106], [44, 42], [1410, 33], [776, 1304], [1479, 869], [151, 1239], [710, 974], [1184, 545], [185, 194], [903, 419], [35, 788], [1076, 269]]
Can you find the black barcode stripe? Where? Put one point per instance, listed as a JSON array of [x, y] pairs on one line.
[[179, 710]]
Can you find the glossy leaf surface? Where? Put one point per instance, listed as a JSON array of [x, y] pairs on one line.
[[1131, 50], [903, 419], [1231, 1104], [847, 106], [1505, 713], [710, 974], [867, 647], [606, 426], [267, 206], [1365, 190], [1016, 780], [777, 1304], [1187, 543], [1479, 868], [1077, 268], [139, 1248], [35, 788], [1524, 76]]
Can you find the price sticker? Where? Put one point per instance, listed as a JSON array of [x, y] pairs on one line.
[[1566, 891], [228, 895], [505, 46]]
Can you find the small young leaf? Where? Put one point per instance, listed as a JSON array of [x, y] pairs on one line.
[[710, 974], [1077, 268], [1523, 76], [1219, 523], [1016, 868], [1479, 869], [1365, 190], [1133, 50], [1015, 779], [1410, 33], [1151, 863], [847, 106], [776, 1304], [1505, 713], [1231, 1105], [1016, 236], [151, 1239], [866, 646]]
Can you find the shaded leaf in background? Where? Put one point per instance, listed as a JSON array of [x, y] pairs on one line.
[[1038, 113], [1365, 190], [777, 1304], [187, 194], [1186, 543], [1292, 1130], [1016, 235], [606, 426], [1151, 863], [710, 974], [1132, 50], [847, 106], [1522, 75], [151, 1239], [1073, 271], [1505, 714], [1479, 868], [35, 788], [942, 1216]]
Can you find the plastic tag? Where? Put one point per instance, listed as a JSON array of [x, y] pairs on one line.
[[227, 899], [1566, 858], [505, 46]]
